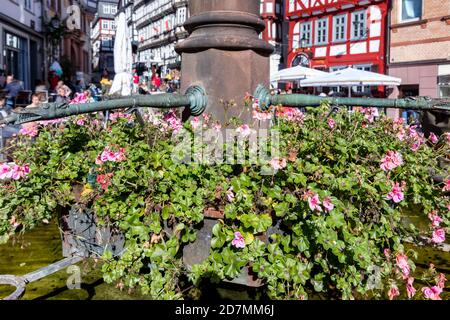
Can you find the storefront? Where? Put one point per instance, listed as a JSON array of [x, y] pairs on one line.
[[21, 52], [444, 81]]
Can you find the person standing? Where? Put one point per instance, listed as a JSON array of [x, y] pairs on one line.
[[13, 87], [135, 82]]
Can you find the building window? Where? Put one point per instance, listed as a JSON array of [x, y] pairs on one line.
[[359, 29], [305, 33], [29, 5], [340, 28], [411, 10], [181, 16], [113, 10], [105, 25], [321, 31], [106, 9], [269, 7]]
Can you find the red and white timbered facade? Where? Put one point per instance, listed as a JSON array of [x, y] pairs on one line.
[[273, 15], [333, 34]]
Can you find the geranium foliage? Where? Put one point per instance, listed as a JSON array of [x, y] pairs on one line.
[[330, 220]]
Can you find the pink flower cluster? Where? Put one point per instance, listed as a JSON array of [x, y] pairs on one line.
[[109, 155], [171, 122], [438, 235], [261, 116], [238, 241], [369, 113], [315, 204], [392, 160], [13, 171], [230, 195], [79, 98], [434, 292], [447, 186], [410, 135], [244, 130], [51, 122], [396, 193], [393, 292], [195, 123], [30, 131], [291, 114], [278, 163], [120, 115], [331, 123], [433, 138], [403, 265]]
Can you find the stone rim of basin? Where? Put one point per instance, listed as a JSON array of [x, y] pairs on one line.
[[15, 281]]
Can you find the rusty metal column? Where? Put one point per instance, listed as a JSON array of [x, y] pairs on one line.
[[223, 52]]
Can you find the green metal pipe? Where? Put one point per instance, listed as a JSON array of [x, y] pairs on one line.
[[195, 99], [265, 100]]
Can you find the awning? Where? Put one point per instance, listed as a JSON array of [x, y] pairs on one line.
[[295, 74], [351, 77]]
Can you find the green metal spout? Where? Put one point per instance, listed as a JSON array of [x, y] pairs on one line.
[[195, 99], [265, 100]]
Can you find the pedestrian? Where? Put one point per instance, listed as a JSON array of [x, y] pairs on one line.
[[61, 85], [35, 101], [62, 96], [13, 87], [135, 82], [4, 111]]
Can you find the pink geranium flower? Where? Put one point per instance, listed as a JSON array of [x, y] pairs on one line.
[[432, 293], [415, 146], [331, 123], [438, 236], [278, 163], [314, 203], [410, 290], [393, 292], [5, 171], [19, 172], [402, 264], [441, 281], [238, 241], [30, 131], [244, 130], [81, 122], [109, 155], [447, 186], [230, 195], [396, 194], [195, 123], [392, 160], [217, 126], [327, 204], [261, 116], [387, 253], [433, 138], [435, 219]]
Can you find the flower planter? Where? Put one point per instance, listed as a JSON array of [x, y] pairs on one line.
[[82, 235]]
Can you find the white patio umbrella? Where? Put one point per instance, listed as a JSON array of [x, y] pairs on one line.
[[122, 83], [295, 74], [351, 77]]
